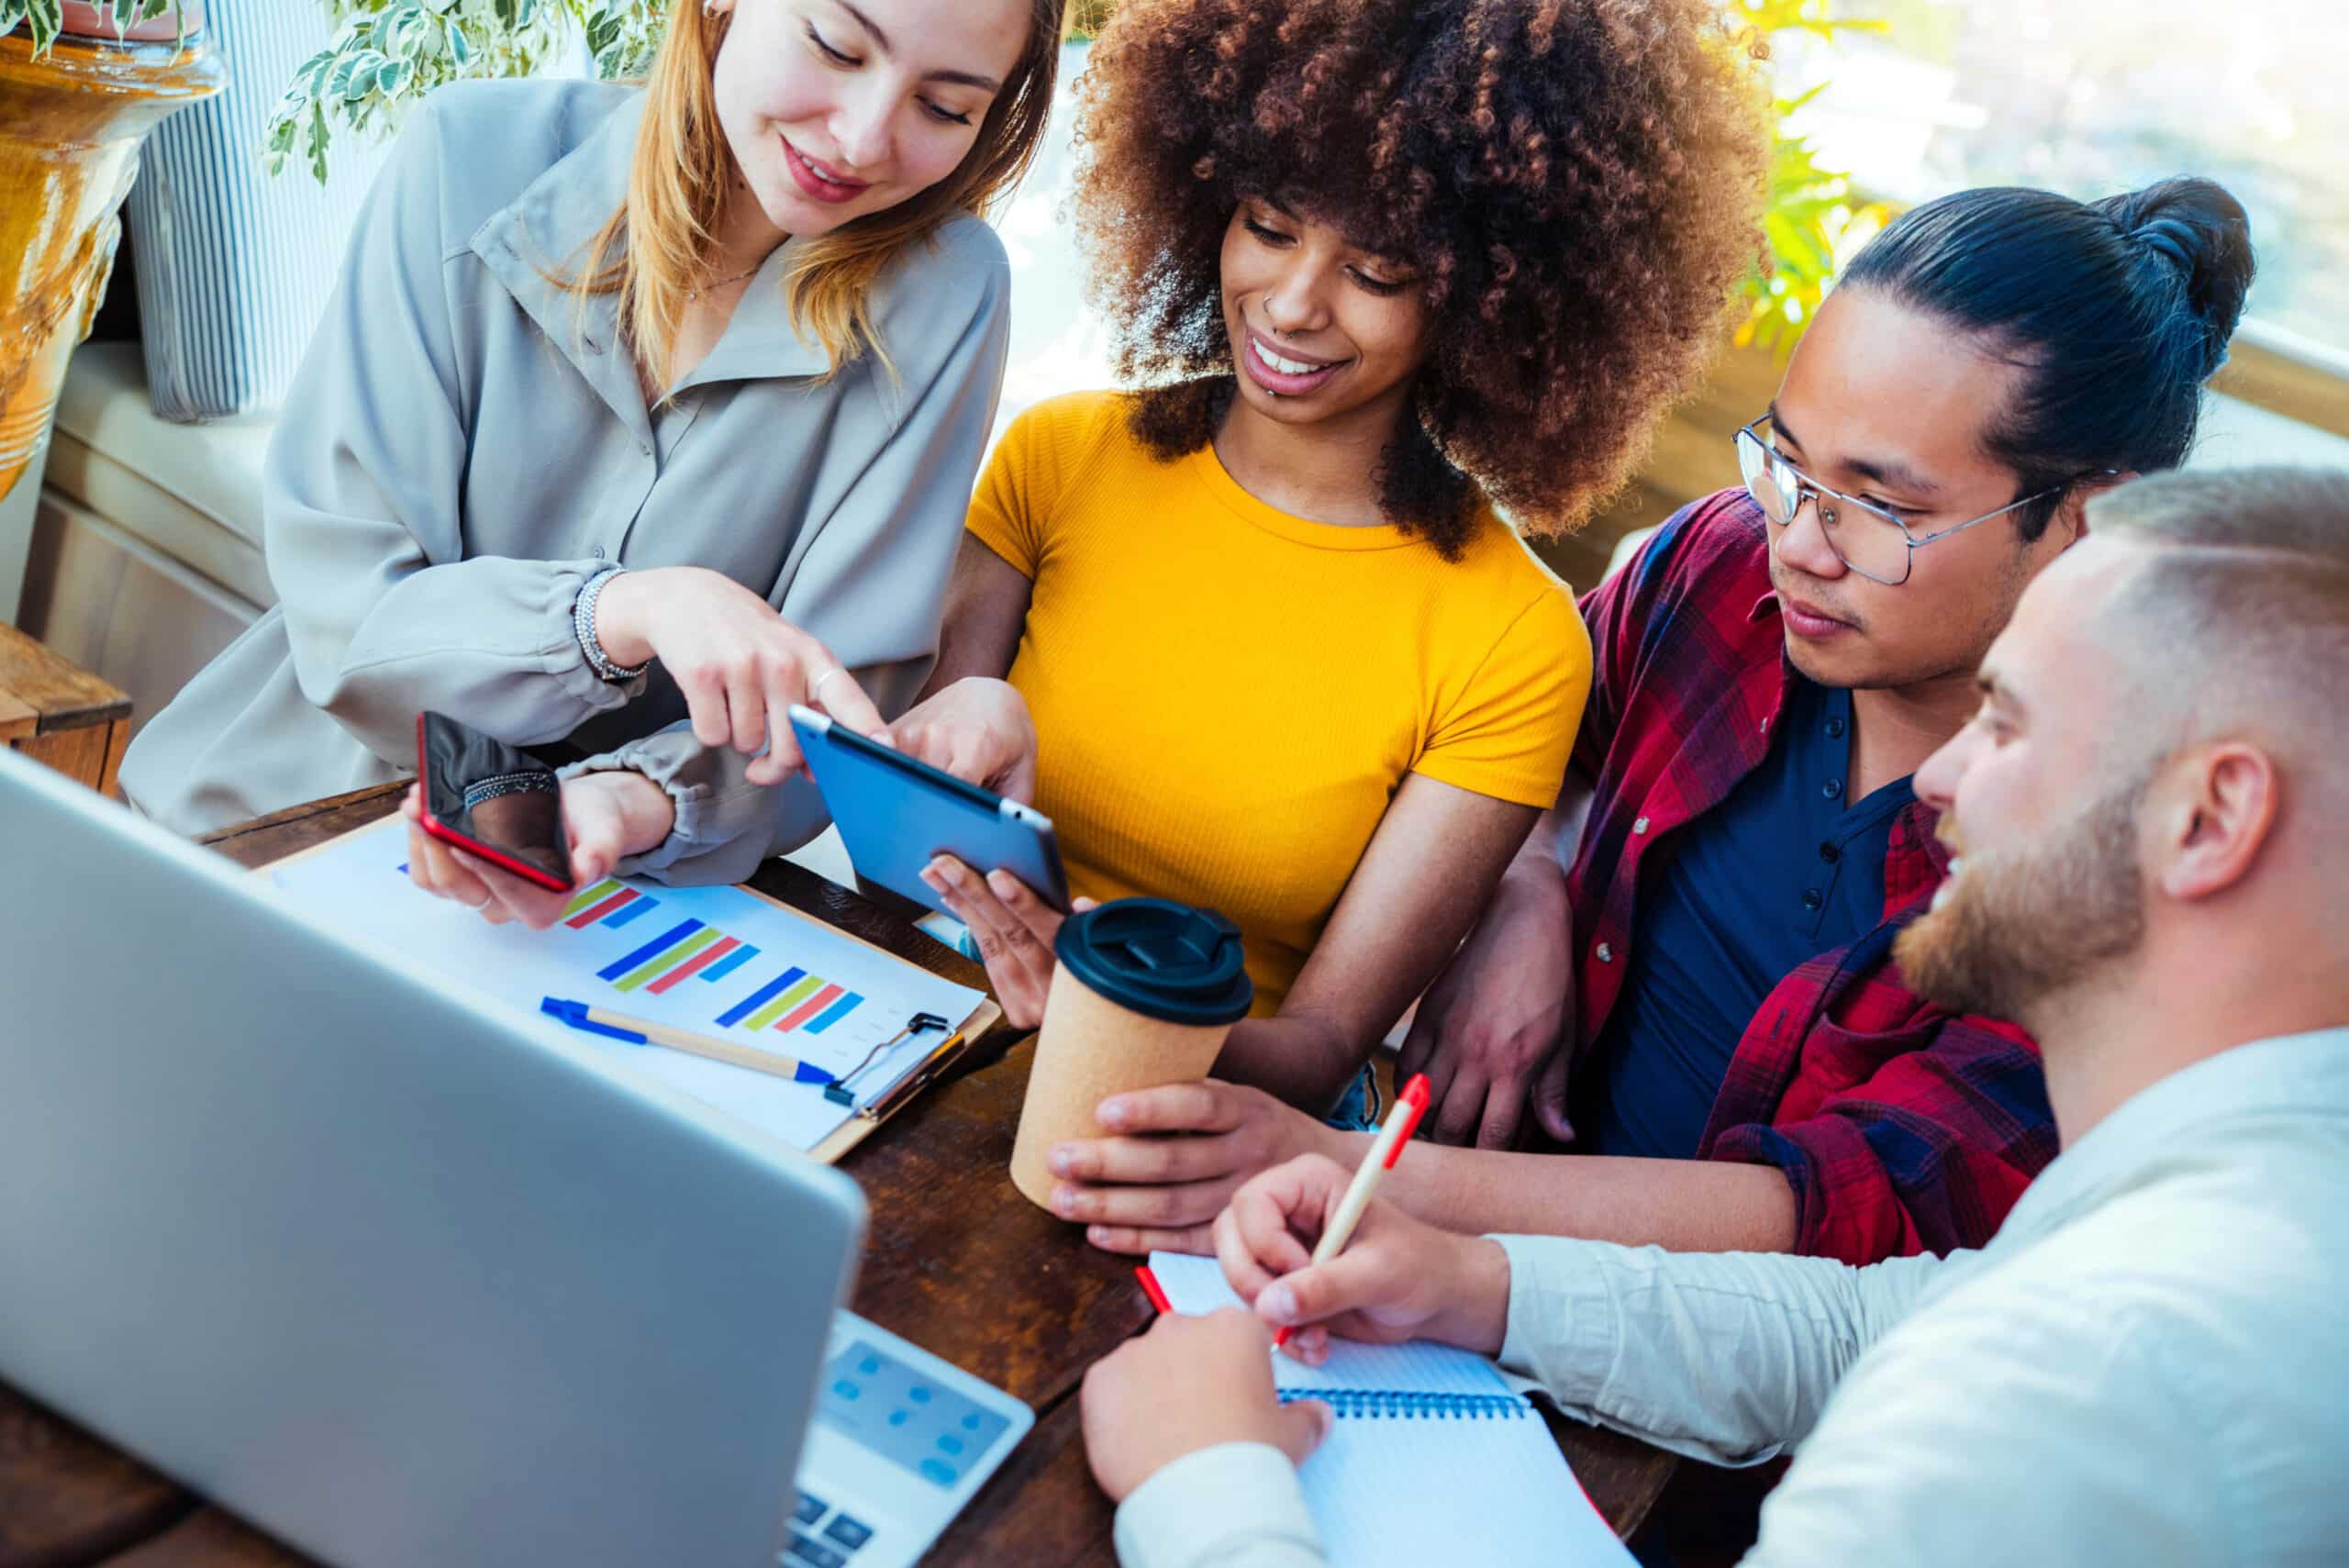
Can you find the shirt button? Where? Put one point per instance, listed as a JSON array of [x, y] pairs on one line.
[[1835, 728], [1833, 789], [1641, 825], [1606, 953], [1829, 853], [1813, 899]]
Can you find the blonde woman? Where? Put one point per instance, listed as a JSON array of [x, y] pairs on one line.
[[641, 414]]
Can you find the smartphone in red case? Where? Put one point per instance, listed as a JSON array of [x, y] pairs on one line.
[[491, 800]]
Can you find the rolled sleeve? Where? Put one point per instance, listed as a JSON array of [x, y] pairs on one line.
[[725, 824], [1724, 1357], [1234, 1506]]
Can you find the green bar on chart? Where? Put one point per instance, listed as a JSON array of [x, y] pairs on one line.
[[683, 950], [784, 1003], [601, 889]]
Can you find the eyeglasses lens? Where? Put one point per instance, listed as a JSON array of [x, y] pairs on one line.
[[1768, 480]]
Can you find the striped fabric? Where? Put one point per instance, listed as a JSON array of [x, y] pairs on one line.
[[234, 267]]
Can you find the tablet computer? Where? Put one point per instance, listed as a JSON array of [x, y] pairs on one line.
[[895, 814]]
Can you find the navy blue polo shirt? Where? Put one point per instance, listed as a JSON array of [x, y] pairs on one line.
[[1785, 868]]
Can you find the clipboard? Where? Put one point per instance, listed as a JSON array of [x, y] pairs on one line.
[[860, 1120]]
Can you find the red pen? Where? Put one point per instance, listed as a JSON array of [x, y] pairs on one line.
[[1409, 1106], [1153, 1289]]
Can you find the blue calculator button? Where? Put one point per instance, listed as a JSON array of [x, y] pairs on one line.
[[850, 1534], [869, 1365], [919, 1394], [810, 1510], [815, 1554], [938, 1470], [899, 1417], [951, 1443], [970, 1422], [846, 1389]]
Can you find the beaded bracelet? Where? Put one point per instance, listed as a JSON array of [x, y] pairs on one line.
[[582, 623]]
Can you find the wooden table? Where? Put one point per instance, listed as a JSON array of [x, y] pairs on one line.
[[947, 1228], [55, 712]]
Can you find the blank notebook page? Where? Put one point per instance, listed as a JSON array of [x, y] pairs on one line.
[[1397, 1484]]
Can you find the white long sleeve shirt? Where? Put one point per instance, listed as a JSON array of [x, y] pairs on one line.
[[2148, 1364]]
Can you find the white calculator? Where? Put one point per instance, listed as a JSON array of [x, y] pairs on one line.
[[900, 1442]]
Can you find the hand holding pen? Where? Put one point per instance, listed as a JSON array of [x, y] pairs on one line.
[[1315, 1251]]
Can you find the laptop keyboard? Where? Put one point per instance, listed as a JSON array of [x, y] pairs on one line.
[[830, 1547]]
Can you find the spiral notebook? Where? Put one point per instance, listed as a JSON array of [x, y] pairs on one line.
[[1433, 1458]]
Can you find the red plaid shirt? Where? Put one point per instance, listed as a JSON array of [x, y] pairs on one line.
[[1900, 1126]]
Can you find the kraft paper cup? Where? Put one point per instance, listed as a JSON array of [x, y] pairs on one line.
[[1143, 994]]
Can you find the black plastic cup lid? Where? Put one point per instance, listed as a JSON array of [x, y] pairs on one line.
[[1161, 958]]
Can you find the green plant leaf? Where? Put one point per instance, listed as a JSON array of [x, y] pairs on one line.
[[47, 20], [317, 148]]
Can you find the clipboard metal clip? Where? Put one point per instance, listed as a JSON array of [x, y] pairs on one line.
[[842, 1090]]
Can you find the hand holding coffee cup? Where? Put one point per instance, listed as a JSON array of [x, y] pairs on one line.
[[1143, 993]]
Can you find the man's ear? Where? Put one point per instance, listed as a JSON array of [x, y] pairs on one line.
[[2216, 814], [2072, 514]]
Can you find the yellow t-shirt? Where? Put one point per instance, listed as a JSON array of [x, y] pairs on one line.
[[1226, 696]]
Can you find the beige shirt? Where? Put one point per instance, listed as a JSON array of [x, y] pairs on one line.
[[463, 449], [2146, 1365]]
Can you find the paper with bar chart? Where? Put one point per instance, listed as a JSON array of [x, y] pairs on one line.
[[717, 960]]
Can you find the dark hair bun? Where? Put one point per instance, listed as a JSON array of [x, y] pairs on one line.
[[2120, 309], [2194, 227]]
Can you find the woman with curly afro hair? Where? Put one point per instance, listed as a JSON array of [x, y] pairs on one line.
[[1382, 270]]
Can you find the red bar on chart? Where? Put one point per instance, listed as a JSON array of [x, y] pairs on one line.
[[693, 965], [807, 1009], [594, 912]]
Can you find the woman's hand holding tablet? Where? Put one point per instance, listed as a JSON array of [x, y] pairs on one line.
[[931, 834], [977, 729], [1014, 929]]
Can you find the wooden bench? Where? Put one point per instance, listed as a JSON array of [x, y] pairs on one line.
[[55, 712]]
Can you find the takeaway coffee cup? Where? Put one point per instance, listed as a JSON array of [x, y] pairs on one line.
[[1143, 993]]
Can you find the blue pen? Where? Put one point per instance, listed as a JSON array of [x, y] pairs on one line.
[[643, 1031]]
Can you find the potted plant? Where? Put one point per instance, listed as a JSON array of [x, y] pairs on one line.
[[78, 93], [387, 54]]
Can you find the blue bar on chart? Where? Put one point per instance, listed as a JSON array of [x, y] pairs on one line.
[[628, 912], [653, 949], [730, 963], [834, 1013], [760, 997]]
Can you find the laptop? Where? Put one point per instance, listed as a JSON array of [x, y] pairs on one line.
[[404, 1282]]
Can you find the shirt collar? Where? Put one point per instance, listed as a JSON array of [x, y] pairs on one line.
[[2301, 1075], [1906, 876], [547, 229]]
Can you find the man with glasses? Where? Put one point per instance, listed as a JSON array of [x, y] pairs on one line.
[[1711, 909]]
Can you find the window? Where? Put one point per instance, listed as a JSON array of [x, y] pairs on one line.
[[2092, 97]]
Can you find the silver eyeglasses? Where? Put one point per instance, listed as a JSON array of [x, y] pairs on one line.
[[1878, 546]]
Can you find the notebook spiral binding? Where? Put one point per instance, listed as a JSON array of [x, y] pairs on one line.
[[1387, 1404]]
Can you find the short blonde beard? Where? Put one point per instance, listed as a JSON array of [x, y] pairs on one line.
[[2026, 925]]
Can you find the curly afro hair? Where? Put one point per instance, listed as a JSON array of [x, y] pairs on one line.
[[1578, 184]]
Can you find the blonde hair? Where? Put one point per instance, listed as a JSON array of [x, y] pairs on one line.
[[651, 251]]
